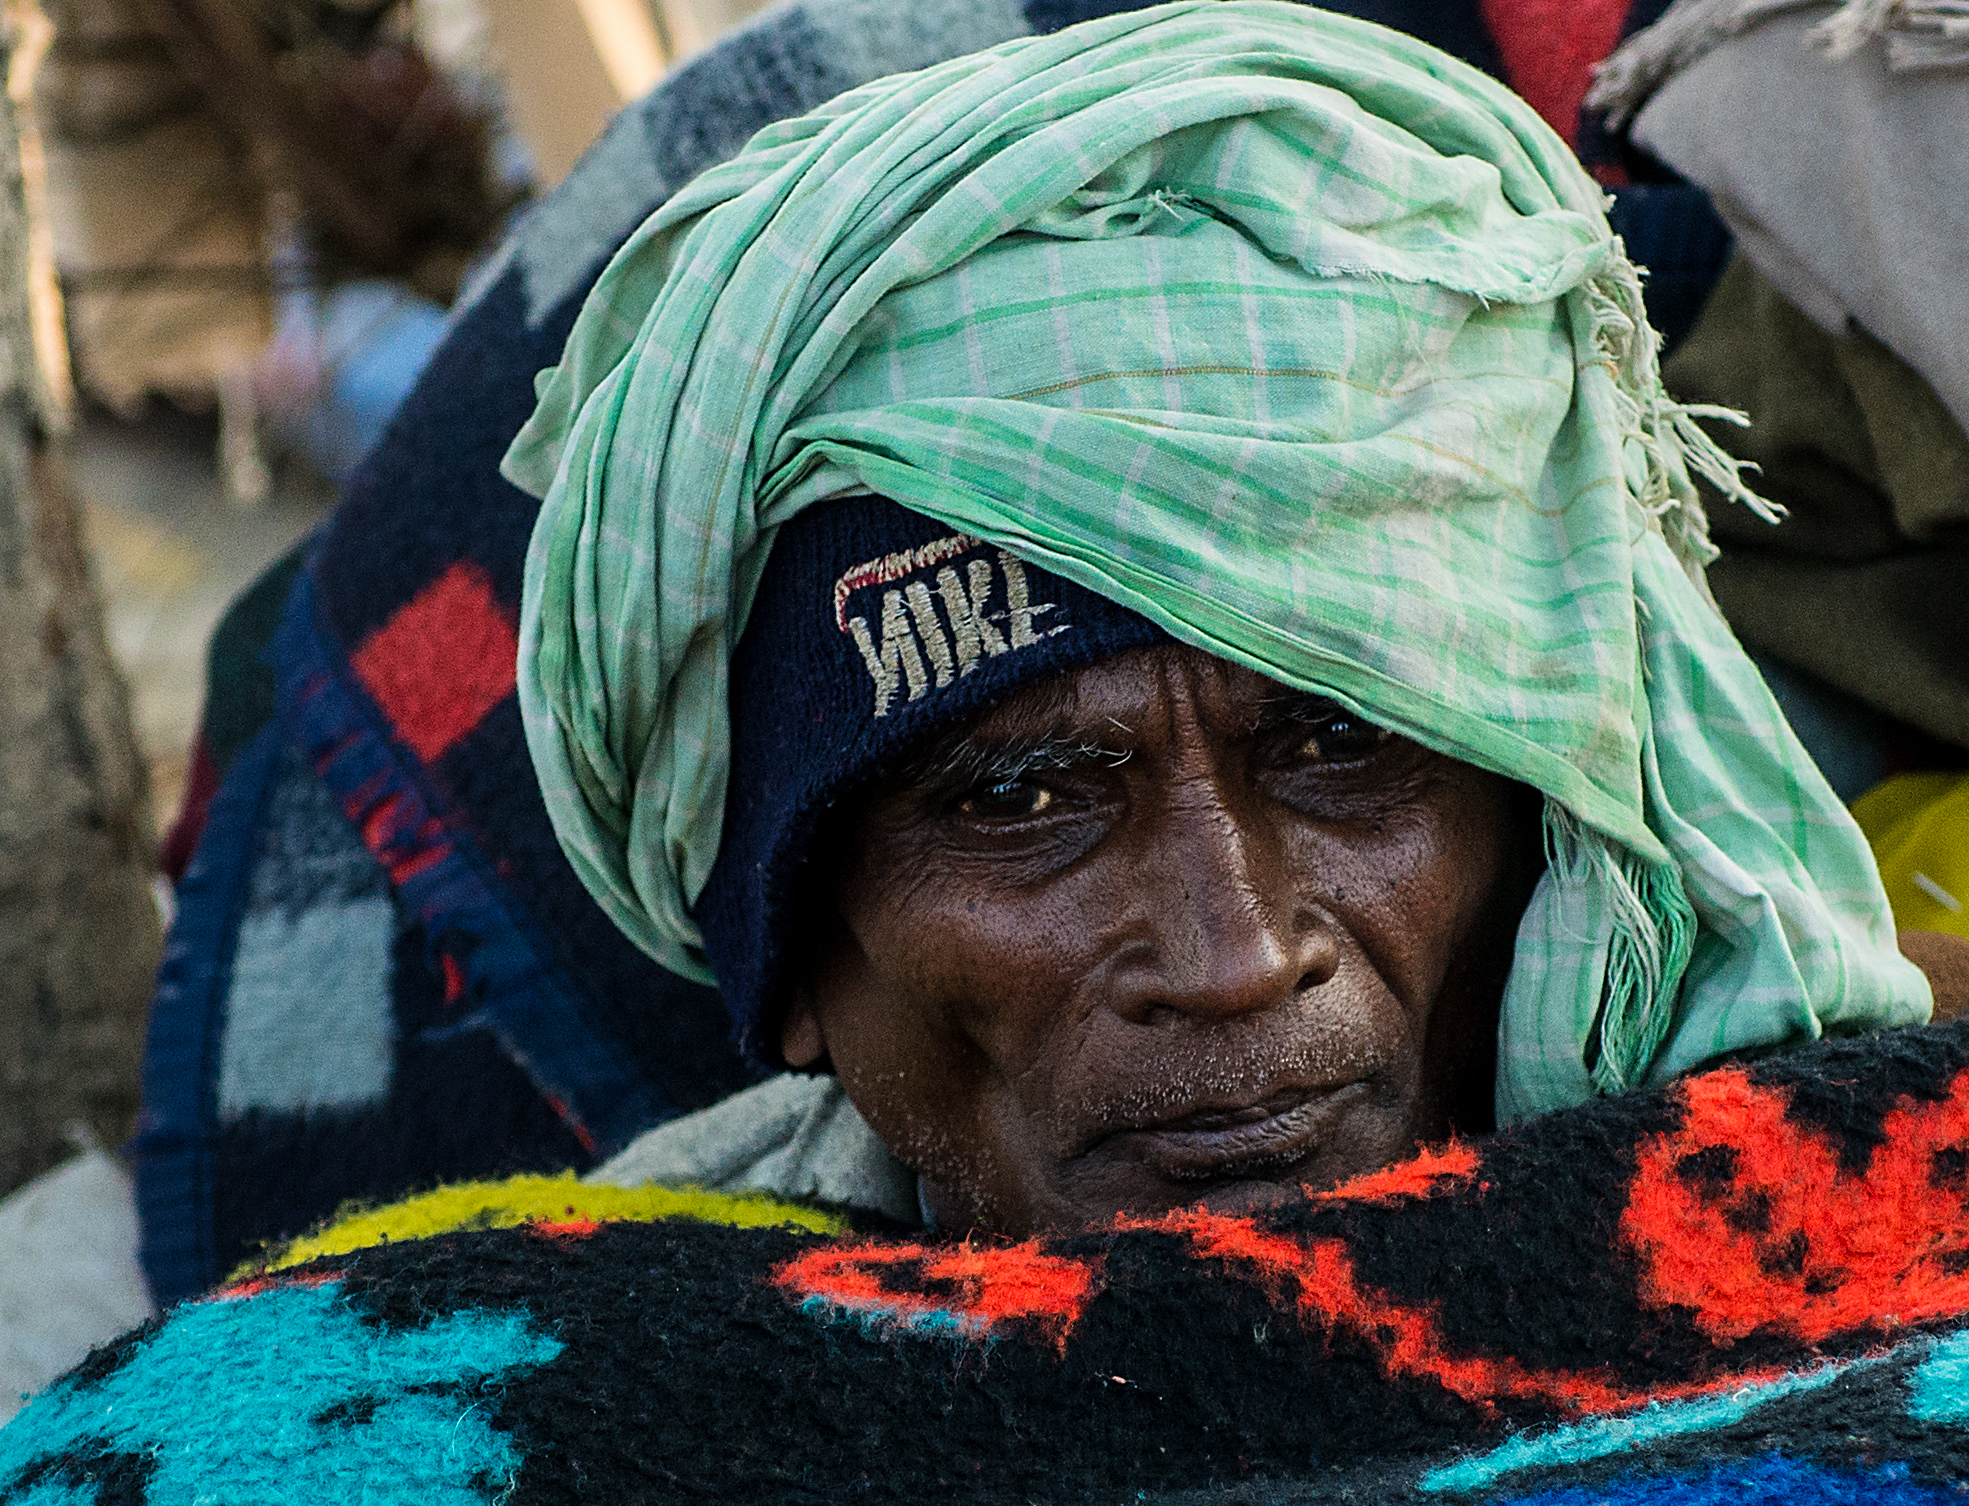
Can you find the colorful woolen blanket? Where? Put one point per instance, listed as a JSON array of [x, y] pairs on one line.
[[384, 973], [1753, 1286]]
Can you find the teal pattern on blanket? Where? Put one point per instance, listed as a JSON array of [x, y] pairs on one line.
[[337, 1407], [1941, 1386], [1290, 333], [1577, 1443]]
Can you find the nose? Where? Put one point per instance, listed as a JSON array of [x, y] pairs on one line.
[[1221, 931]]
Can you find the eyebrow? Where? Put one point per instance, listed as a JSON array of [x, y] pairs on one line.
[[1297, 708], [970, 758]]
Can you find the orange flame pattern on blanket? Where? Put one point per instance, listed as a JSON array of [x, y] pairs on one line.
[[1812, 1250], [1318, 1277], [962, 1289], [1428, 1173], [1816, 1249]]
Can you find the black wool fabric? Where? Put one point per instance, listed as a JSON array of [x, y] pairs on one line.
[[1750, 1286]]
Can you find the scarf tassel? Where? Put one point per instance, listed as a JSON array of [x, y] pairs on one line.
[[1671, 443], [1651, 934]]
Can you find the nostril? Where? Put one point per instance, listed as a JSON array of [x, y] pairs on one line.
[[1318, 952]]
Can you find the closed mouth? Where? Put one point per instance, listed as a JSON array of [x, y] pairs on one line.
[[1215, 1145]]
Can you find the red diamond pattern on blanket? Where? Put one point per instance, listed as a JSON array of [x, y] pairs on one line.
[[442, 661]]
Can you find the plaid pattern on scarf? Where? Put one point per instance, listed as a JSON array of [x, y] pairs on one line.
[[1290, 333]]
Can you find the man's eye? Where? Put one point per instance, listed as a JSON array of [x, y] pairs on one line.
[[1342, 738], [1010, 800]]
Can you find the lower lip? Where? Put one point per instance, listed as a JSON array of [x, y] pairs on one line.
[[1233, 1151]]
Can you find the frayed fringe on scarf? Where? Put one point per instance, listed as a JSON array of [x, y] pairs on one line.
[[1652, 930], [1921, 34], [1672, 444], [1651, 925]]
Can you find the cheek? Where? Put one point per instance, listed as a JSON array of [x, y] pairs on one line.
[[1410, 887], [943, 1009], [911, 1077], [990, 968]]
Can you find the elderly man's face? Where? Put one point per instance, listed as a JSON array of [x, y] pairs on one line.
[[1162, 932]]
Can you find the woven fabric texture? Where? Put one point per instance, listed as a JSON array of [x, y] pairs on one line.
[[1751, 1286]]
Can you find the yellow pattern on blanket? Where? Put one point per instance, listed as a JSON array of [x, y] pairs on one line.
[[541, 1200]]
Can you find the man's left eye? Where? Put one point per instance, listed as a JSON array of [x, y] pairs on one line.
[[1342, 738], [1007, 801]]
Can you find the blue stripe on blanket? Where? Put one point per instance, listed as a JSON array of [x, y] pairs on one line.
[[1771, 1481], [187, 1013], [1605, 1436], [465, 910]]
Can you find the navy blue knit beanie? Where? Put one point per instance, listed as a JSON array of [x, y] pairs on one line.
[[875, 631]]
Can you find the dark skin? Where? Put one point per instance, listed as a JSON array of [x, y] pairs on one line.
[[1159, 933], [1162, 932]]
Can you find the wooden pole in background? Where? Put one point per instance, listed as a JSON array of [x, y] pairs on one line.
[[78, 927], [560, 89]]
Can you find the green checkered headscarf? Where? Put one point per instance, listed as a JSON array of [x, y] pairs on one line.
[[1297, 337]]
